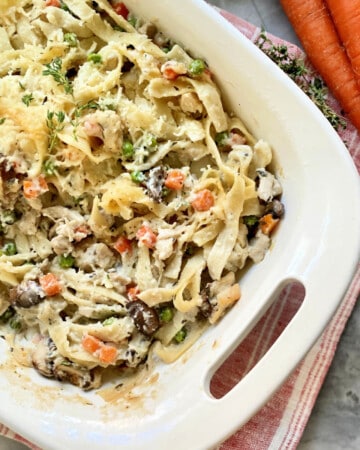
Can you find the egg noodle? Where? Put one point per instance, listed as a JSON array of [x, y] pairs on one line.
[[129, 198]]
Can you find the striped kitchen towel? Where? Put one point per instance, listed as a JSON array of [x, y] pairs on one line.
[[281, 422]]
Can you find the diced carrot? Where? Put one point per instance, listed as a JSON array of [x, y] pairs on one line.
[[91, 343], [133, 292], [55, 3], [50, 284], [146, 236], [172, 69], [175, 179], [268, 223], [169, 73], [123, 245], [108, 354], [203, 200], [121, 10], [35, 187]]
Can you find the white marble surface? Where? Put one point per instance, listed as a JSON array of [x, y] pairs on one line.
[[335, 420]]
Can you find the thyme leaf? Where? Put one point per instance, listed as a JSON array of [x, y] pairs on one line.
[[295, 68], [54, 69], [27, 99], [64, 6], [55, 124]]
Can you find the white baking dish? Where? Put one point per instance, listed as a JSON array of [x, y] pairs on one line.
[[317, 244]]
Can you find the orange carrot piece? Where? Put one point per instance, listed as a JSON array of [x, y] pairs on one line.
[[108, 354], [203, 200], [267, 224], [146, 236], [346, 16], [55, 3], [123, 245], [91, 343], [35, 187], [175, 180], [169, 73], [170, 70], [50, 284], [133, 292], [312, 23], [121, 9]]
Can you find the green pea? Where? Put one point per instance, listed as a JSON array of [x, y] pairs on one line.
[[66, 261], [180, 336], [197, 67], [221, 138], [166, 314], [137, 176], [251, 220], [95, 58], [128, 149], [71, 39]]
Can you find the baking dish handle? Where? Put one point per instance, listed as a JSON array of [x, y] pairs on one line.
[[257, 386]]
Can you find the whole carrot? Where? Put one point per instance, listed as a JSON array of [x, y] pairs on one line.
[[313, 24], [346, 16]]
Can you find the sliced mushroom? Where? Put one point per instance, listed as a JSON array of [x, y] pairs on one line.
[[205, 308], [26, 294], [84, 378], [49, 363], [43, 357], [155, 183], [145, 318], [276, 208]]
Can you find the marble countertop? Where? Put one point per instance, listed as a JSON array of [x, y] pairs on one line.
[[335, 420]]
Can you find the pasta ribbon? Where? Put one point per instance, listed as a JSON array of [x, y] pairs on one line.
[[130, 198]]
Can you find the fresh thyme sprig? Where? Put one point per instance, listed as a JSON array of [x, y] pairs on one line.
[[313, 86], [55, 124], [54, 70], [92, 104]]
